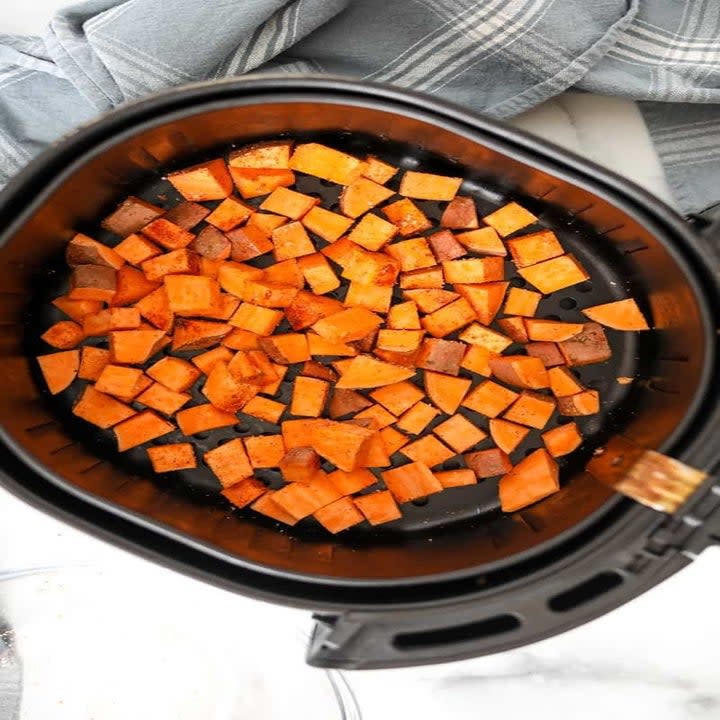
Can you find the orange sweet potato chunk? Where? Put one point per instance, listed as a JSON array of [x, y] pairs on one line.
[[318, 274], [446, 391], [340, 443], [201, 418], [162, 399], [134, 347], [378, 171], [509, 218], [489, 398], [520, 370], [265, 451], [225, 391], [372, 232], [289, 203], [531, 409], [367, 372], [92, 362], [484, 241], [488, 463], [141, 428], [362, 195], [474, 270], [426, 186], [326, 224], [309, 396], [287, 348], [167, 234], [326, 163], [620, 315], [530, 249], [83, 250], [456, 478], [428, 450], [265, 505], [563, 383], [243, 493], [77, 309], [378, 507], [551, 330], [198, 334], [64, 335], [417, 418], [531, 480], [339, 515], [206, 181], [586, 402], [556, 274], [59, 369], [449, 318], [507, 435], [460, 214], [459, 433], [168, 458], [411, 482], [229, 462], [522, 302], [407, 216], [100, 409], [92, 282], [562, 440], [174, 373]]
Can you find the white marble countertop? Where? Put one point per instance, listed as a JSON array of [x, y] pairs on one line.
[[647, 659]]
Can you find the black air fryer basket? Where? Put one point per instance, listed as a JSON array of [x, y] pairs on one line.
[[455, 577]]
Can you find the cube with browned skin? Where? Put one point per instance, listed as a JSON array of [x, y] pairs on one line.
[[287, 348], [93, 282], [514, 328], [299, 464], [198, 334], [489, 398], [175, 262], [586, 402], [441, 355], [187, 214], [83, 250], [362, 195], [265, 451], [167, 234], [548, 352], [173, 457], [130, 216], [509, 218], [431, 277], [306, 309], [459, 214], [587, 347], [411, 482], [532, 409], [248, 242], [488, 463], [229, 462]]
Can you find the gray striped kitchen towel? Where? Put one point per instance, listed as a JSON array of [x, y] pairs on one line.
[[499, 57]]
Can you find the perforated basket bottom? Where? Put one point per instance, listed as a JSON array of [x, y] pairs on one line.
[[611, 279]]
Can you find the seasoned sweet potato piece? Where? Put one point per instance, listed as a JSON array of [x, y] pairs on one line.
[[264, 155], [551, 330], [393, 439], [586, 402], [118, 380], [484, 241], [206, 181], [255, 182], [160, 398], [177, 261], [347, 325], [63, 335], [198, 334], [286, 273], [417, 418], [187, 214], [264, 408], [522, 302], [424, 278], [534, 248], [341, 443], [361, 195], [399, 340], [428, 450], [620, 315], [346, 402], [378, 507], [225, 391], [507, 435], [229, 462], [459, 433], [253, 366], [477, 334], [230, 213], [59, 369], [485, 299], [234, 276], [248, 242], [256, 319], [529, 481], [318, 274], [299, 464], [77, 309], [141, 428], [266, 222], [477, 360], [367, 372], [370, 268], [449, 318], [238, 339], [136, 249], [443, 356], [379, 415], [194, 294], [563, 383], [130, 216], [411, 482], [174, 373], [372, 232], [514, 328], [100, 409], [460, 214], [132, 285], [201, 418], [298, 500], [509, 218], [548, 352], [474, 270], [326, 163], [445, 246], [562, 440], [521, 371], [83, 250], [265, 451], [134, 347], [556, 274], [168, 458], [92, 362], [325, 224], [291, 241], [243, 493], [489, 398], [340, 251], [92, 282], [167, 234], [532, 409], [586, 348], [267, 294], [318, 370], [376, 298], [309, 396], [378, 171], [265, 505], [456, 478], [488, 463], [397, 397], [426, 186], [407, 216], [412, 254], [318, 346], [446, 391], [289, 203], [287, 348], [222, 309], [403, 316], [306, 309], [339, 515]]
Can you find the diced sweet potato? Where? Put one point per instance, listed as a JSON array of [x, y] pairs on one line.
[[267, 294], [340, 443], [63, 335], [442, 356], [287, 273], [412, 254], [141, 428], [318, 346], [229, 214], [267, 222], [325, 224], [264, 408], [229, 462], [484, 241], [133, 285], [253, 366], [174, 373], [393, 439], [417, 418], [411, 482], [431, 277], [77, 309], [59, 369], [248, 242], [93, 282], [586, 348], [162, 399], [586, 402], [449, 318], [532, 409], [370, 268], [201, 418], [474, 270], [446, 391], [326, 163], [225, 391], [522, 302], [378, 171], [347, 325], [406, 360], [289, 203], [309, 396], [271, 154], [186, 215], [460, 214], [507, 435], [136, 249], [529, 481], [430, 300], [397, 397], [620, 315], [491, 340], [259, 320], [92, 362], [399, 340], [243, 493], [299, 464], [83, 250], [222, 309], [484, 299], [178, 261], [130, 216], [346, 402], [380, 416], [298, 500], [407, 216], [339, 515], [169, 458], [378, 507], [362, 195], [265, 505], [372, 232], [206, 181], [403, 316], [238, 339], [514, 328], [306, 309], [318, 274], [194, 294], [367, 372], [456, 478], [426, 186], [340, 251], [556, 274], [477, 360], [167, 234], [488, 463], [118, 380], [551, 330], [459, 433], [291, 241], [428, 450], [265, 451], [534, 248], [548, 352], [286, 349], [143, 383], [521, 371], [489, 398], [100, 409], [134, 347], [509, 218], [198, 334], [562, 440], [376, 298], [445, 246], [233, 276], [563, 383]]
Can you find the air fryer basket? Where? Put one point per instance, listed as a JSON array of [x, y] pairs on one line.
[[452, 537]]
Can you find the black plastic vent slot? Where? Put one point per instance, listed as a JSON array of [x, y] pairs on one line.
[[457, 634], [585, 592]]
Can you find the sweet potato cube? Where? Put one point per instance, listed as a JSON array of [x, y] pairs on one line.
[[206, 181], [83, 250], [191, 293], [445, 246], [325, 224], [261, 370], [514, 328], [289, 203], [340, 251], [178, 261], [136, 249], [460, 214], [339, 515], [379, 415], [411, 482], [267, 294], [489, 398], [417, 418], [141, 428], [347, 325], [311, 368], [238, 339], [259, 320], [286, 349], [378, 507], [287, 273], [431, 277], [130, 216], [167, 234], [243, 493], [551, 330], [267, 222], [587, 347], [556, 274], [491, 340], [366, 372], [370, 268], [309, 396], [265, 155], [299, 464], [376, 298], [534, 248], [100, 409], [222, 309], [563, 383], [93, 282], [484, 241], [225, 391], [326, 163], [59, 369], [201, 418], [398, 397], [248, 242], [426, 186], [474, 270], [427, 450], [548, 353], [265, 505], [362, 195], [562, 440], [532, 409], [507, 435], [586, 402], [298, 500], [346, 402], [186, 215], [456, 478], [133, 284], [265, 451], [488, 463], [162, 399], [319, 275], [118, 380], [407, 216], [233, 276], [522, 302], [77, 309], [393, 439], [291, 241], [509, 218], [306, 309], [620, 315], [265, 409], [229, 214], [378, 171], [403, 316], [412, 254], [431, 299], [399, 340], [341, 443], [251, 182], [318, 345], [169, 458], [449, 318], [446, 391], [521, 371], [477, 360], [229, 462], [442, 356], [198, 334], [485, 299], [531, 480], [459, 433], [92, 362], [174, 373], [134, 347], [372, 232], [64, 335]]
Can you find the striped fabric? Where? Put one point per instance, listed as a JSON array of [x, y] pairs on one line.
[[499, 57]]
